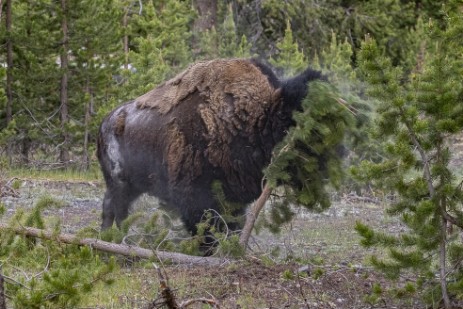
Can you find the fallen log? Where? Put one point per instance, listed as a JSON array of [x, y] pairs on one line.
[[122, 249]]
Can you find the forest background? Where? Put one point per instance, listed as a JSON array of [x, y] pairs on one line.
[[66, 63], [397, 64]]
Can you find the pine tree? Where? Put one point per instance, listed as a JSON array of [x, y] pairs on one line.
[[96, 58], [224, 42], [38, 36], [419, 114], [163, 47], [230, 45], [289, 59], [336, 60], [388, 22], [34, 72], [47, 274]]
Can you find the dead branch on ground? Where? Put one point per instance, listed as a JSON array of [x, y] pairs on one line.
[[7, 190], [126, 250], [168, 298], [354, 198]]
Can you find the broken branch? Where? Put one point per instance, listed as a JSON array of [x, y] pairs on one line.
[[252, 215]]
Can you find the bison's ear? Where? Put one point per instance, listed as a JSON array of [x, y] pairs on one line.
[[276, 96]]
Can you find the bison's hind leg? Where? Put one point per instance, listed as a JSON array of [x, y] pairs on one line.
[[108, 212], [116, 204]]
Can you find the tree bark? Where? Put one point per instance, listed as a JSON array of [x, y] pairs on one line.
[[126, 250], [9, 63], [125, 22], [443, 265], [207, 15], [25, 148], [9, 73], [2, 288], [252, 215], [64, 59], [88, 109]]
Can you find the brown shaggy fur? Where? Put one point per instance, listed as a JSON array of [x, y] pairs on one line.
[[235, 97], [217, 80], [180, 156], [218, 120], [120, 123]]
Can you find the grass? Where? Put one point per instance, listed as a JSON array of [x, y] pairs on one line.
[[327, 243], [132, 288], [68, 175], [330, 236]]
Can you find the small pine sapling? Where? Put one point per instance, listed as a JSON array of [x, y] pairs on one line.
[[418, 116], [45, 273]]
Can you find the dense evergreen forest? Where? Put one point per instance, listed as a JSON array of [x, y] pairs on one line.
[[395, 89], [66, 63]]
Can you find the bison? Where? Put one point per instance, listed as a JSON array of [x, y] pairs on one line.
[[218, 120]]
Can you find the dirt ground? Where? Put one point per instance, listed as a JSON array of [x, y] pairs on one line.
[[315, 262]]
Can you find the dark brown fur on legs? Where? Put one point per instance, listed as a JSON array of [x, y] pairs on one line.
[[218, 120]]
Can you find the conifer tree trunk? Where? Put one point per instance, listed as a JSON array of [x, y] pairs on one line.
[[443, 264], [207, 14], [125, 22], [64, 113], [25, 148], [88, 109], [2, 287], [9, 72]]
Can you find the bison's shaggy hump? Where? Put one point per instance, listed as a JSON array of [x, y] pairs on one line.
[[235, 94], [235, 97], [218, 120], [219, 80]]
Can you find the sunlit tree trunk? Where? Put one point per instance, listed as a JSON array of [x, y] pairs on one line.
[[64, 149], [88, 109], [2, 288], [9, 72], [207, 14], [126, 38]]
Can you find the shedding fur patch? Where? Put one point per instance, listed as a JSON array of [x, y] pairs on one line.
[[228, 86], [120, 123], [176, 151], [182, 161], [235, 96]]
